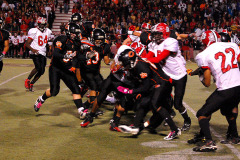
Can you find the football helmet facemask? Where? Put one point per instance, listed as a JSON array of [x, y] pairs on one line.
[[127, 57], [160, 32], [77, 18], [98, 36], [42, 23], [73, 31]]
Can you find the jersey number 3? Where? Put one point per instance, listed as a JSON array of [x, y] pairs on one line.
[[92, 61], [225, 69], [41, 40]]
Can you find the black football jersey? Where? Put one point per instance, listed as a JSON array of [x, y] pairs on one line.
[[3, 37], [147, 75], [87, 28], [93, 64], [63, 46]]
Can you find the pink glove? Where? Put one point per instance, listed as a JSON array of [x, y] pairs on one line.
[[124, 90]]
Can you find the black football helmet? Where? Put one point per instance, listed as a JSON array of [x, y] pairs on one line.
[[77, 18], [74, 29], [127, 57], [225, 37], [98, 37]]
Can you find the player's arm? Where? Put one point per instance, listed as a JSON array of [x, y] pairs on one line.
[[6, 46], [195, 72], [28, 43], [107, 52], [144, 87], [127, 41], [164, 54], [206, 81]]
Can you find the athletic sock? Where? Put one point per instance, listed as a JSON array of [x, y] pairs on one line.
[[78, 103], [164, 114], [44, 96], [204, 125]]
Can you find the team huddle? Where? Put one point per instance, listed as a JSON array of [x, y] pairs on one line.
[[143, 74]]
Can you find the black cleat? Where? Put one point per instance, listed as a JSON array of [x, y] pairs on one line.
[[186, 125], [197, 138], [87, 121], [209, 146]]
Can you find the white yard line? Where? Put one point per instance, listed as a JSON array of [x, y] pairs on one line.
[[14, 78], [231, 147]]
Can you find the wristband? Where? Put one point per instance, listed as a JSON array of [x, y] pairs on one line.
[[4, 52], [130, 32]]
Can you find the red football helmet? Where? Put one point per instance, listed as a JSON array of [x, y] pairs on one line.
[[210, 37], [132, 28], [42, 23], [163, 28], [146, 26]]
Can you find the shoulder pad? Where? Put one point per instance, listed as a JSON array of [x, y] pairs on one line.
[[61, 38], [85, 44]]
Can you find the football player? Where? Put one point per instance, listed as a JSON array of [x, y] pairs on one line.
[[117, 77], [219, 59], [164, 50], [62, 67], [133, 40], [36, 43], [90, 69], [4, 43], [86, 26], [15, 45], [148, 89], [21, 39]]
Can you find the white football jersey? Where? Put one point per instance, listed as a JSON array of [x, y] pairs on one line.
[[221, 59], [175, 64], [21, 39], [136, 42], [14, 40], [40, 39]]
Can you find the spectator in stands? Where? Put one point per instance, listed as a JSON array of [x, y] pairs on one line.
[[31, 24], [66, 5], [24, 27], [62, 28], [74, 10], [60, 7], [14, 28]]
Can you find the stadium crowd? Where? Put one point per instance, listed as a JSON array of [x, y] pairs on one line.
[[115, 17]]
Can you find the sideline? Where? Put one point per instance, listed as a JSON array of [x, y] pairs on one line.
[[230, 146], [14, 77]]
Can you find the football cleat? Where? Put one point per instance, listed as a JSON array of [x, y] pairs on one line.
[[83, 113], [31, 88], [172, 135], [129, 129], [99, 113], [231, 140], [114, 126], [27, 83], [209, 146], [38, 104], [186, 125], [197, 138], [87, 121]]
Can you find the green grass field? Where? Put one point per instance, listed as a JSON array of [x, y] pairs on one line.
[[55, 133]]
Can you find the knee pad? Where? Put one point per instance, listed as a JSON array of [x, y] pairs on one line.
[[200, 113]]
